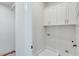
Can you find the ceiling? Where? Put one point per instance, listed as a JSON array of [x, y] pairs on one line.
[[8, 4]]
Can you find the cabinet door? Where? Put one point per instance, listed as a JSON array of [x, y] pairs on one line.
[[50, 15], [46, 16], [61, 13], [72, 12]]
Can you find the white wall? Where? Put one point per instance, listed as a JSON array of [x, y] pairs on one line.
[[6, 29], [37, 27]]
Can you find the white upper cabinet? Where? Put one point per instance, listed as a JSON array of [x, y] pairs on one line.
[[72, 12], [50, 16], [61, 14], [45, 17]]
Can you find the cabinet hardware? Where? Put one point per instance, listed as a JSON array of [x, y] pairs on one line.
[[66, 51], [72, 41], [48, 34], [31, 46], [74, 45]]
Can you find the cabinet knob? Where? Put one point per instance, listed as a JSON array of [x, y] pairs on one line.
[[74, 45], [31, 46], [72, 41]]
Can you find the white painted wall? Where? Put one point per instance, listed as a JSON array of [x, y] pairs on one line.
[[37, 27], [7, 18]]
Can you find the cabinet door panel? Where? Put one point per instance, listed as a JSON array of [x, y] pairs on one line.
[[61, 13], [50, 16], [46, 16], [72, 12]]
